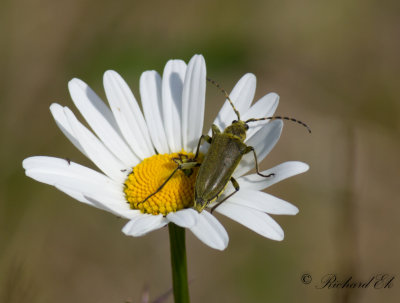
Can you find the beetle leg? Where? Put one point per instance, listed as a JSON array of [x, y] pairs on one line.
[[236, 186], [203, 137], [249, 149], [181, 156], [181, 166], [215, 130]]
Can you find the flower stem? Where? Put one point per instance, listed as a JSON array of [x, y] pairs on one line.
[[178, 263]]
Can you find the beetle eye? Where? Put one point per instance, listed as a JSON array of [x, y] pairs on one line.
[[246, 126], [234, 121]]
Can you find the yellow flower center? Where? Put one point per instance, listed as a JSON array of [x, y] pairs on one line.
[[142, 187]]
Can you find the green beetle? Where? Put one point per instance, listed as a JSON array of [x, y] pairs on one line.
[[224, 155]]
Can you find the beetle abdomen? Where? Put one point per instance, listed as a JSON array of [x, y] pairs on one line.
[[217, 168]]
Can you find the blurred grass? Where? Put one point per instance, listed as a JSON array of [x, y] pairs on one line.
[[335, 66]]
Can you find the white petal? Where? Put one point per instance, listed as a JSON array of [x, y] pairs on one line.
[[79, 182], [193, 98], [128, 115], [62, 122], [95, 149], [265, 107], [258, 222], [172, 85], [74, 194], [263, 141], [185, 218], [100, 119], [52, 170], [281, 171], [117, 207], [210, 231], [242, 95], [150, 92], [144, 224], [263, 202]]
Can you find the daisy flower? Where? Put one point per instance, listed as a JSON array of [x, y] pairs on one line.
[[137, 152]]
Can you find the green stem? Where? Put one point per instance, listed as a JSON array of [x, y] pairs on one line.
[[178, 263]]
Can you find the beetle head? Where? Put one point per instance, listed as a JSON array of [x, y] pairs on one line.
[[237, 129]]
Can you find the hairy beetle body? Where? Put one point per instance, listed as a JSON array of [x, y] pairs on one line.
[[221, 160]]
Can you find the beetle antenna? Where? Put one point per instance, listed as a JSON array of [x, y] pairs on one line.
[[279, 118], [226, 96]]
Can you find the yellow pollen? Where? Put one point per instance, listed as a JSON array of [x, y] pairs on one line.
[[149, 175]]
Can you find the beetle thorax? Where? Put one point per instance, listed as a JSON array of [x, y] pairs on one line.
[[237, 129]]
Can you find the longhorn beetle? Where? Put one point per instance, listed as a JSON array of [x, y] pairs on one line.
[[226, 150], [223, 156]]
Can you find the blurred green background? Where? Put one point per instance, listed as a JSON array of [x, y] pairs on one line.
[[335, 65]]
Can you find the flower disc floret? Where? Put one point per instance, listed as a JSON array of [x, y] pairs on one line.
[[147, 177]]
